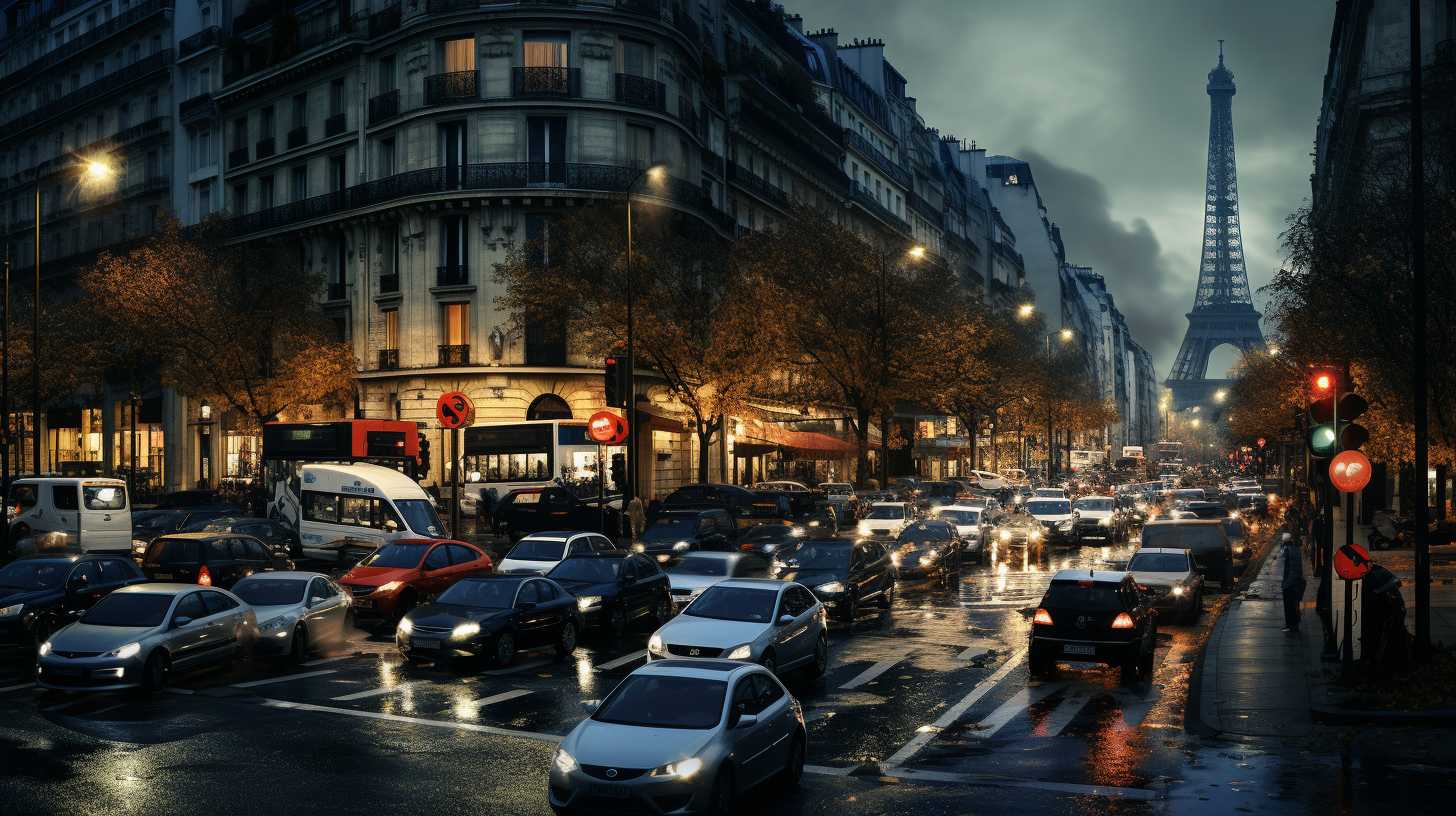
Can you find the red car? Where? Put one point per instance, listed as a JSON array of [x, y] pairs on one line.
[[397, 576]]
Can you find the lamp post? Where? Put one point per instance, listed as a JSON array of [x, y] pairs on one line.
[[1065, 335], [655, 172]]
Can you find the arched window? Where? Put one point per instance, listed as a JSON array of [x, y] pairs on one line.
[[548, 406]]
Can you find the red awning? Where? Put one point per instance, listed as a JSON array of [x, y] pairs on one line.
[[761, 438]]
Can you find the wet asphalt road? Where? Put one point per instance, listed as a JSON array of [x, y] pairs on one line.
[[926, 709]]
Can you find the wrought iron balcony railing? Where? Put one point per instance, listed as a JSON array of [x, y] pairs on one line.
[[455, 86], [237, 157], [265, 147], [452, 275], [384, 106], [455, 355], [298, 137], [389, 283], [641, 92], [531, 82], [334, 125], [388, 359]]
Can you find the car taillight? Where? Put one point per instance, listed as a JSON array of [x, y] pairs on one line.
[[1042, 618], [1122, 621], [204, 576]]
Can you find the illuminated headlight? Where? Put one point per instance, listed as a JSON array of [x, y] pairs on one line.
[[1105, 522], [1065, 524], [138, 547], [798, 531], [124, 652], [681, 546], [463, 631], [1234, 514], [586, 602], [405, 626], [638, 547], [45, 648], [927, 560], [1178, 591], [1036, 535], [740, 652], [864, 528], [663, 558], [1142, 507], [831, 588], [768, 548], [11, 611], [564, 762], [390, 587], [681, 769], [813, 522], [654, 644], [1005, 535], [895, 559], [777, 565]]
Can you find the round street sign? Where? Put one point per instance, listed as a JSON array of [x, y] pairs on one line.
[[455, 410], [1352, 562], [1350, 471], [1262, 441], [607, 428]]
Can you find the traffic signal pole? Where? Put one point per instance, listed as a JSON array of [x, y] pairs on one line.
[[1418, 346]]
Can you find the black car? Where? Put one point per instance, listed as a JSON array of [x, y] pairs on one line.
[[41, 593], [770, 540], [1206, 509], [493, 616], [736, 500], [820, 520], [1018, 530], [148, 524], [278, 537], [674, 532], [928, 549], [613, 589], [209, 559], [1207, 540], [930, 494], [843, 575], [536, 509], [769, 507], [1094, 616]]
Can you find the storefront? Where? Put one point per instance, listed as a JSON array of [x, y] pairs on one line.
[[766, 451], [74, 441], [139, 441]]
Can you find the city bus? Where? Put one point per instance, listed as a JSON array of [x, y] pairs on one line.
[[288, 446], [1164, 451], [508, 456]]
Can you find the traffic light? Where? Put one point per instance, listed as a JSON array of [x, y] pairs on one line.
[[619, 470], [1333, 408], [424, 457], [617, 381]]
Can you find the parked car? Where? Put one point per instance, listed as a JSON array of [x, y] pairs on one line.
[[1098, 519], [672, 533], [614, 589], [1172, 579], [987, 480], [537, 509], [492, 616], [209, 559], [971, 526], [280, 538], [148, 524], [844, 575], [1018, 530], [766, 540], [297, 611], [539, 552], [1094, 616], [779, 625], [140, 635], [681, 736], [395, 578], [928, 549], [697, 571], [41, 593], [886, 519], [1204, 539]]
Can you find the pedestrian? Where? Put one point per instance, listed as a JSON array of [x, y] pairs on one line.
[[1291, 581], [636, 516]]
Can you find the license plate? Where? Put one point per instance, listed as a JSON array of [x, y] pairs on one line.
[[609, 791], [420, 643], [162, 576], [1078, 649]]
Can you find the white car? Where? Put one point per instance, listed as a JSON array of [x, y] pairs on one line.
[[1049, 493], [779, 625], [886, 519], [296, 611], [1173, 578], [699, 570], [541, 552], [969, 521], [1056, 517], [988, 480]]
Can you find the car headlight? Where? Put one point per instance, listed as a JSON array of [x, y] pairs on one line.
[[1234, 514], [927, 560], [389, 587], [654, 644], [1178, 590], [463, 631], [1105, 522], [45, 648], [740, 652], [681, 546], [138, 546], [833, 587], [768, 548], [681, 769], [639, 547], [124, 652], [798, 531], [895, 559], [1065, 524], [586, 602], [405, 626], [11, 611], [864, 528], [1036, 535], [777, 565], [275, 624], [1005, 535], [566, 763]]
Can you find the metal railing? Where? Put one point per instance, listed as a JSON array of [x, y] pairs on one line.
[[384, 106], [265, 148], [924, 208], [759, 186], [642, 92], [198, 107], [210, 36], [335, 290], [880, 161], [861, 195], [384, 21], [100, 33], [388, 359], [455, 355], [546, 81], [105, 86], [452, 275], [298, 137], [440, 6], [455, 86], [334, 125]]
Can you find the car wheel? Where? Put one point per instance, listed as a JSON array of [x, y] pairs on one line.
[[347, 628], [566, 641], [1145, 663], [821, 657], [1041, 664], [298, 648], [616, 621], [155, 672], [793, 772], [851, 609], [724, 796], [505, 649]]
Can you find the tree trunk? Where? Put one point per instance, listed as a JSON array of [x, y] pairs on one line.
[[705, 452], [995, 450], [862, 443], [975, 435], [884, 450]]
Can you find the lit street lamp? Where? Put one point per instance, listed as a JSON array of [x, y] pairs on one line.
[[1220, 395], [1025, 310], [654, 173], [916, 252]]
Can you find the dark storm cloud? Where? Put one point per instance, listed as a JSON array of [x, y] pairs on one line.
[[1109, 97]]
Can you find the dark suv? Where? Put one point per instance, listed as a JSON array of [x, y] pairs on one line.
[[675, 532], [41, 593], [1207, 540], [209, 559], [1096, 617]]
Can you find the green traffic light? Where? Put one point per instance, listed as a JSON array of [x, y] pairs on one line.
[[1322, 440]]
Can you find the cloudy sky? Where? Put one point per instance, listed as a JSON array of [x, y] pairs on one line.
[[1106, 99]]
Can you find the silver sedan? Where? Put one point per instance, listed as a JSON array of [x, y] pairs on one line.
[[137, 636], [699, 570], [297, 611], [681, 736], [777, 624]]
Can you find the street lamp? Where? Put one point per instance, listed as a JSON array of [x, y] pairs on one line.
[[654, 173], [1025, 310], [916, 252], [1065, 335], [1220, 395]]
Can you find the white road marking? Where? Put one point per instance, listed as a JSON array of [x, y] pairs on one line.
[[400, 718], [1007, 711], [623, 660], [500, 698], [1140, 794], [519, 667], [873, 671], [378, 692], [977, 649], [825, 770], [923, 738], [284, 679], [1134, 708], [323, 660], [16, 687], [1060, 717], [175, 690]]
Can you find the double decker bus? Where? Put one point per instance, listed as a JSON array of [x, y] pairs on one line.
[[288, 446]]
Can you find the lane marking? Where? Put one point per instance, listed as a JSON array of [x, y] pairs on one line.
[[1062, 716], [520, 667], [1134, 708], [175, 690], [326, 660], [825, 770], [977, 649], [500, 698], [622, 661], [379, 692], [923, 738], [1139, 794], [873, 671], [536, 736], [1008, 711], [284, 679], [17, 687]]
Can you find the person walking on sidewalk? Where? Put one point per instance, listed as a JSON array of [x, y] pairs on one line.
[[1291, 581]]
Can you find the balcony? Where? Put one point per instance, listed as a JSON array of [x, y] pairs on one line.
[[545, 82], [206, 38], [389, 284], [452, 87], [334, 125], [77, 45], [880, 161], [455, 355], [298, 137], [924, 209], [384, 21], [335, 291], [265, 148], [860, 195], [198, 108], [452, 275], [384, 106], [107, 86], [758, 186], [237, 158], [641, 92], [388, 359]]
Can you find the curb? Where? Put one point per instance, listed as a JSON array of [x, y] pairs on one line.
[[1357, 716]]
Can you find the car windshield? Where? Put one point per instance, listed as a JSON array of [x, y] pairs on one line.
[[32, 575], [732, 603], [767, 532], [419, 515], [1082, 595], [1234, 527], [822, 555], [1049, 491], [592, 570], [397, 555], [1093, 504], [961, 517], [671, 528], [923, 533], [1189, 495], [700, 565], [1183, 536], [886, 513], [1158, 562], [1049, 508], [657, 701], [270, 591], [537, 549], [498, 593], [157, 521], [129, 609]]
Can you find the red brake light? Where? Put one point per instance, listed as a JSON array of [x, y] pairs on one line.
[[204, 576], [1122, 621], [1042, 618]]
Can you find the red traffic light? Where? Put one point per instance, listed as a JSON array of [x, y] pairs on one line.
[[1323, 382]]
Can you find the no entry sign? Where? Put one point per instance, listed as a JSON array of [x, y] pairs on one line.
[[1352, 562], [455, 410], [606, 428]]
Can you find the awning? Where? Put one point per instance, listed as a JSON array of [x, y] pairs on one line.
[[761, 438]]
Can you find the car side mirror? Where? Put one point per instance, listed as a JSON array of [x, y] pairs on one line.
[[785, 620], [746, 721], [315, 601], [390, 526], [590, 706], [179, 622]]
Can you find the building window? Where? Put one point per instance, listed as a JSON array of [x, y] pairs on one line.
[[240, 198], [300, 182], [546, 148], [639, 145], [458, 55], [154, 107], [204, 200], [545, 51], [240, 133], [300, 110], [337, 176], [391, 328], [336, 97], [454, 260], [385, 166], [455, 324], [123, 116], [265, 123], [204, 81], [634, 58], [265, 192], [386, 74]]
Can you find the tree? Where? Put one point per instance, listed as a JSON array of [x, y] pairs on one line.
[[238, 325], [693, 316]]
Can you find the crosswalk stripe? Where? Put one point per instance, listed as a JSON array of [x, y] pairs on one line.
[[325, 660], [1008, 710], [378, 692], [977, 649], [1062, 715], [284, 679], [518, 667], [623, 660], [1134, 708], [400, 718], [924, 736], [16, 687], [500, 698], [874, 671]]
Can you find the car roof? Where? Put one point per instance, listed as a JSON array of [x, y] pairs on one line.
[[607, 554], [1184, 522], [548, 535], [199, 535], [715, 556], [288, 575], [689, 511], [754, 583], [890, 504], [387, 479], [971, 507], [1098, 576], [1094, 496], [60, 555], [160, 588]]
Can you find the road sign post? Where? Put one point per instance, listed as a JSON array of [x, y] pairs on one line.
[[455, 410]]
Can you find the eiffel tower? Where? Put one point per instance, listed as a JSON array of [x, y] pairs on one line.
[[1223, 310]]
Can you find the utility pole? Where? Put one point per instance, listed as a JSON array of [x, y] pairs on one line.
[[1418, 345]]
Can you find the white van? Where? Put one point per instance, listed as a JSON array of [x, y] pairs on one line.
[[87, 512], [343, 507]]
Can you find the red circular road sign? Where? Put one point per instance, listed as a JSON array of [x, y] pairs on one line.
[[455, 410], [607, 428], [1350, 471], [1352, 562], [1262, 441]]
